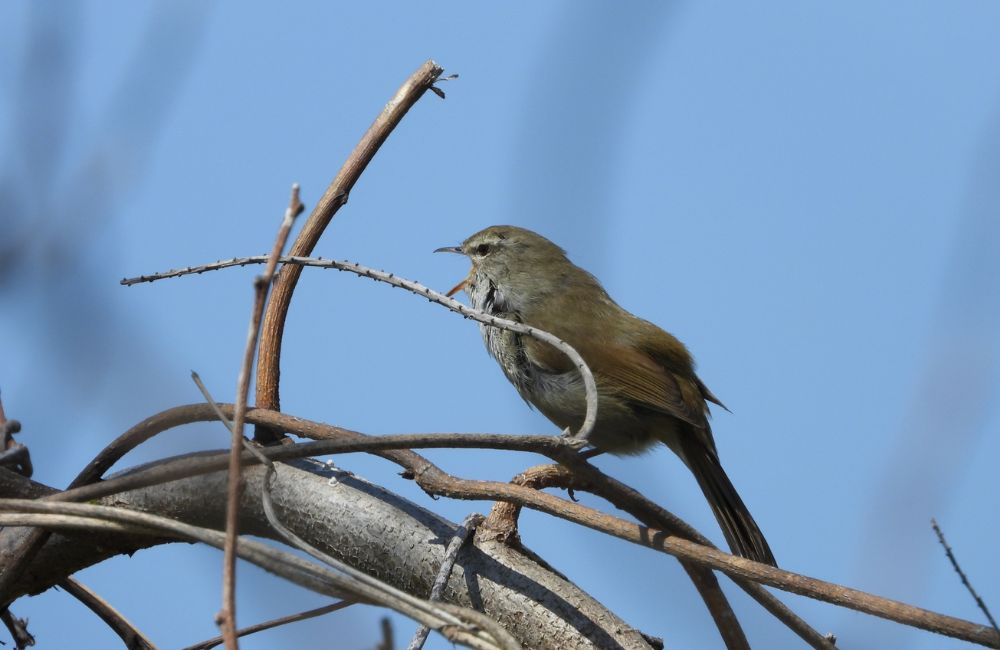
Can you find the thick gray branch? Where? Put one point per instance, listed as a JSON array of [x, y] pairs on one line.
[[382, 534]]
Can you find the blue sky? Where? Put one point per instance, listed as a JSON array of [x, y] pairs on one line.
[[803, 192]]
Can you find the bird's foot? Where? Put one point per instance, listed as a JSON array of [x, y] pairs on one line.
[[573, 440]]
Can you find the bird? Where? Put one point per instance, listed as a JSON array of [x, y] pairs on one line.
[[648, 391]]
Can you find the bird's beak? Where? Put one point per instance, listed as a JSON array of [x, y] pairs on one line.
[[461, 285]]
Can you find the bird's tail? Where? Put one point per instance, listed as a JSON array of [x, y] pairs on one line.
[[741, 531]]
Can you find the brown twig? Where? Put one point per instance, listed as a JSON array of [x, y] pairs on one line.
[[466, 528], [273, 623], [226, 618], [961, 574], [435, 481], [130, 635], [268, 361]]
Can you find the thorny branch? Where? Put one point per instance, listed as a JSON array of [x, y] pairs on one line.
[[961, 574], [415, 287]]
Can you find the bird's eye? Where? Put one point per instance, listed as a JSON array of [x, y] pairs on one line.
[[483, 249]]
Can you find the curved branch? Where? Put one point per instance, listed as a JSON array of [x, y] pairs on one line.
[[130, 635], [447, 302], [269, 356]]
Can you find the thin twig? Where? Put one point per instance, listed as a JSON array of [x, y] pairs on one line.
[[227, 616], [961, 574], [466, 528], [335, 196], [415, 287], [208, 644], [130, 635]]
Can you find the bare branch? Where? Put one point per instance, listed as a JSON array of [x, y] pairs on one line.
[[129, 634], [433, 296], [335, 196], [466, 528], [208, 644], [962, 576]]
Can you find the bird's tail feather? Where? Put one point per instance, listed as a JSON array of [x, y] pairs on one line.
[[741, 531]]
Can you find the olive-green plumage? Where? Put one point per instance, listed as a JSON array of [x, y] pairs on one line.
[[648, 391]]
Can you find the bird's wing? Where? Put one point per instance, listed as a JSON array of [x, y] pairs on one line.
[[648, 384], [631, 374]]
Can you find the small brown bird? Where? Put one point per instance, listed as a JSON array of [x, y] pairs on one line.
[[647, 389]]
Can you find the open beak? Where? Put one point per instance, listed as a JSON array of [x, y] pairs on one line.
[[461, 285]]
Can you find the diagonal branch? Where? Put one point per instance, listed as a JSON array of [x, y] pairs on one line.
[[961, 574], [130, 635], [208, 644]]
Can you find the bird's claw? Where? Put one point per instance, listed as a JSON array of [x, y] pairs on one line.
[[573, 440]]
